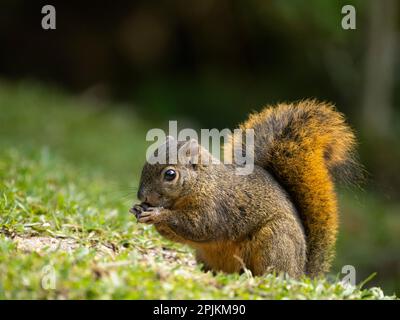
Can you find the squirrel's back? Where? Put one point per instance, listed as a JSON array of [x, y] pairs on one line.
[[303, 146]]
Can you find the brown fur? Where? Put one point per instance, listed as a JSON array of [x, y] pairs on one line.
[[282, 217]]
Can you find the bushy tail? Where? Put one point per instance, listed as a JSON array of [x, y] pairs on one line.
[[304, 145]]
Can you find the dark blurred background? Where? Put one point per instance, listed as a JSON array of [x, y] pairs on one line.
[[210, 62]]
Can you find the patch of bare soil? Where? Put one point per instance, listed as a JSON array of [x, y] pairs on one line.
[[43, 244]]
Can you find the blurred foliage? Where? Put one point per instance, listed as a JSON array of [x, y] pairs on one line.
[[193, 60], [89, 134]]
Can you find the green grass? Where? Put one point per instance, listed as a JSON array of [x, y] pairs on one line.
[[68, 171]]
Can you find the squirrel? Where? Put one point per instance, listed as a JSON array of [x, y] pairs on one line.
[[282, 217]]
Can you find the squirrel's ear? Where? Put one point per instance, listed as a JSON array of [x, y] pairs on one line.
[[164, 146], [170, 142], [164, 153], [191, 152]]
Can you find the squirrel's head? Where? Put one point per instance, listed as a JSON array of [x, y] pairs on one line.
[[171, 171]]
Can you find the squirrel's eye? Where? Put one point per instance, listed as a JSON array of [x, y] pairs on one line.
[[170, 175]]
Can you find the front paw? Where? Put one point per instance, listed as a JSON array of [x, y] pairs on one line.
[[152, 215], [138, 209]]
